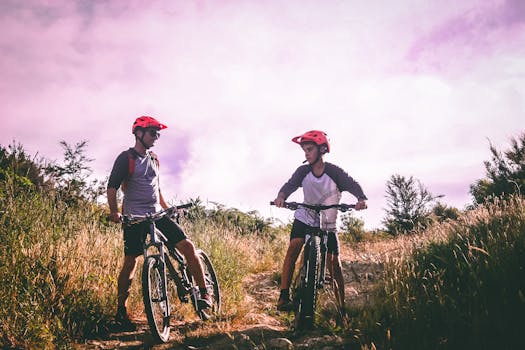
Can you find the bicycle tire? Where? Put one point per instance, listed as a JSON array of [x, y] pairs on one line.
[[306, 312], [212, 286], [156, 303]]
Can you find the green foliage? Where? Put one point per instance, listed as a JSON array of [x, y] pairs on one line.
[[69, 181], [17, 167], [231, 218], [71, 178], [408, 201], [8, 176], [43, 244], [59, 262], [505, 173], [352, 228], [442, 212], [467, 292]]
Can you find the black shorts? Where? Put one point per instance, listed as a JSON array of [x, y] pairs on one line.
[[135, 235], [299, 230]]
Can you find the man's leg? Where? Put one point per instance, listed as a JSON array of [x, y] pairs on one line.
[[294, 248], [125, 279], [289, 261], [335, 269], [186, 248], [177, 236]]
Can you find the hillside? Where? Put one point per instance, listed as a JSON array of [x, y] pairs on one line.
[[362, 269], [458, 284], [445, 287]]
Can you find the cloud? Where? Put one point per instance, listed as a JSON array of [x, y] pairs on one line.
[[476, 33], [235, 81]]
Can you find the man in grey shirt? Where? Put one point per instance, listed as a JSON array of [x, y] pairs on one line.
[[137, 171]]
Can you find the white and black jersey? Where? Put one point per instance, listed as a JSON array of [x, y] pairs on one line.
[[325, 190]]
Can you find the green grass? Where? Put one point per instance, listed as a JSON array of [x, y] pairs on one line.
[[59, 263], [458, 285], [463, 289], [50, 279]]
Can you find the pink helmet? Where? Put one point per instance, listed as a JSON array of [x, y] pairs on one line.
[[147, 122], [315, 136]]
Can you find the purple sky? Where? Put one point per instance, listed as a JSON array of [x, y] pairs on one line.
[[406, 87]]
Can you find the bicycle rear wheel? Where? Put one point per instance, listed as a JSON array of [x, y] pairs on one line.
[[305, 317], [155, 299], [212, 286]]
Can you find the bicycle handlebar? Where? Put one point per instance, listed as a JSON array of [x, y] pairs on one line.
[[317, 207], [135, 219]]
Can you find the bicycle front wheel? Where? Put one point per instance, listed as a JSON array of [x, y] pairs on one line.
[[212, 286], [155, 299], [305, 317]]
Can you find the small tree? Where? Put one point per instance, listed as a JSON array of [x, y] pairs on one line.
[[352, 227], [71, 178], [408, 204], [505, 173], [15, 163]]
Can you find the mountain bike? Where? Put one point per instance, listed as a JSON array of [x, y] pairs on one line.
[[311, 276], [164, 269]]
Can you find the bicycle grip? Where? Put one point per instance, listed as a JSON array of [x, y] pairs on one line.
[[184, 206]]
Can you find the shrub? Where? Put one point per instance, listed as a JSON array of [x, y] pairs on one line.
[[465, 290]]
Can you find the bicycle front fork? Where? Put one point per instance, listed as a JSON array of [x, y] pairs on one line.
[[323, 251], [322, 273], [160, 261]]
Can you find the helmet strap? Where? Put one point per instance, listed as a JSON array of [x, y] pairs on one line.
[[320, 153], [141, 139]]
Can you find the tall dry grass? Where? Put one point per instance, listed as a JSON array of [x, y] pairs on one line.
[[234, 256], [56, 262], [59, 263], [457, 285]]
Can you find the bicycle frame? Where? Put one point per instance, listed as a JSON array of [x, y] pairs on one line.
[[307, 291], [158, 241], [318, 231], [155, 253]]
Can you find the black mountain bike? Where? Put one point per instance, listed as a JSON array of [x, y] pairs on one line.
[[311, 276], [165, 268]]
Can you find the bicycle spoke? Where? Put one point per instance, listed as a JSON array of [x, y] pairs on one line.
[[155, 301], [212, 287]]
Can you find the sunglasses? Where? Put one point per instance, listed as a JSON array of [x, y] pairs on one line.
[[153, 133]]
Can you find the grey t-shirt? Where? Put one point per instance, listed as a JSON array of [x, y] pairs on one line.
[[141, 190]]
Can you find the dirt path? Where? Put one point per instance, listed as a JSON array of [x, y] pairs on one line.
[[262, 322]]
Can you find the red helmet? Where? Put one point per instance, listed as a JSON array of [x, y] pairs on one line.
[[315, 136], [147, 122]]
